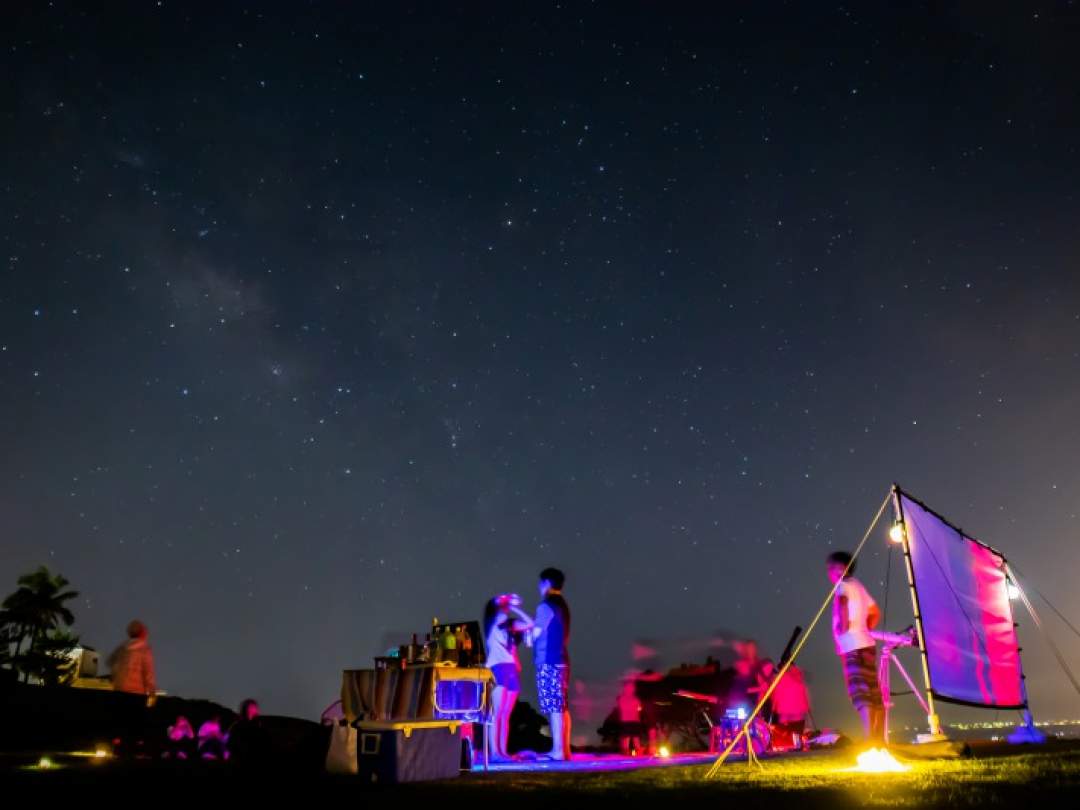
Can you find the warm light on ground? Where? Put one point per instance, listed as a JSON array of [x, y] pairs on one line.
[[100, 752], [44, 763], [879, 760], [664, 752]]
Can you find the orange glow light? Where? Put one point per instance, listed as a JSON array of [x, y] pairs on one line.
[[879, 760]]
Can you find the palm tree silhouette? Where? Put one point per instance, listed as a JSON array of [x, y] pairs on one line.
[[36, 609]]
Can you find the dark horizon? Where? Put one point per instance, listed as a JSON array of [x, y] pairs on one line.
[[318, 324]]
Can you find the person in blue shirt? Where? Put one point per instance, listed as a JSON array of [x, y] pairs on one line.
[[551, 656]]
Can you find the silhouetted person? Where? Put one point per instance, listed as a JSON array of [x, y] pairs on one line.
[[248, 742], [131, 666], [629, 710]]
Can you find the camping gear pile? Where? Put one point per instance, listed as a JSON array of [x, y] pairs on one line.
[[416, 715]]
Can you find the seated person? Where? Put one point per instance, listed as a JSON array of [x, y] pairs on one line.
[[789, 703], [181, 743], [248, 741], [212, 740]]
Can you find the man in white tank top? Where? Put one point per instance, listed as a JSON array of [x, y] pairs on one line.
[[855, 614]]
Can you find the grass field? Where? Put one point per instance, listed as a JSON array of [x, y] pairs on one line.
[[816, 780], [1017, 777]]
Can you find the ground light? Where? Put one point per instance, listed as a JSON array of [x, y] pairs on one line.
[[44, 763], [878, 760], [98, 754], [664, 752]]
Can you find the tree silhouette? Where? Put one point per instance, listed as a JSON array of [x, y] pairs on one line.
[[36, 616], [48, 658]]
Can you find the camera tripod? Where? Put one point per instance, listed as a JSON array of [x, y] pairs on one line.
[[889, 643]]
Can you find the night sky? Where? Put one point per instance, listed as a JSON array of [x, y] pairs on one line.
[[319, 320]]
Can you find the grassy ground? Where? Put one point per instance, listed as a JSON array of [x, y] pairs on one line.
[[1030, 778], [817, 780]]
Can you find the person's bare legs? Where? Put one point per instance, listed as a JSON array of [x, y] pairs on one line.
[[873, 723], [877, 724], [566, 735], [509, 699], [498, 698], [867, 718], [555, 724], [560, 735]]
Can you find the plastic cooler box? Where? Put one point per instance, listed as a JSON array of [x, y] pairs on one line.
[[409, 751]]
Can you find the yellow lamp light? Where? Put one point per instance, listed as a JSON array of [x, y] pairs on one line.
[[879, 760], [896, 533]]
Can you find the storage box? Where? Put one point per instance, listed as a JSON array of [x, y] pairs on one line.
[[389, 753]]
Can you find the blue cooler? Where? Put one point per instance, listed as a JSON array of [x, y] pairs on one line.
[[409, 751]]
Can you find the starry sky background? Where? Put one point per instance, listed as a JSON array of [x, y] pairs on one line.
[[321, 320]]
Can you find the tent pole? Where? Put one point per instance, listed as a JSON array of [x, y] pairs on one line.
[[931, 715], [1027, 732]]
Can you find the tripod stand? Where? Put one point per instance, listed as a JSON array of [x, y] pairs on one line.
[[889, 643]]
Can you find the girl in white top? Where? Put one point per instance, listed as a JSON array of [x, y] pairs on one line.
[[504, 622]]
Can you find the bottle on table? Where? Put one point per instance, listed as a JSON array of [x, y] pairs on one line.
[[449, 644], [465, 644]]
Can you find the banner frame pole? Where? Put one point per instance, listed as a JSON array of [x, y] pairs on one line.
[[1029, 719], [932, 718]]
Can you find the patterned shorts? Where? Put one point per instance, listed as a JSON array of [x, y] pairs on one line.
[[552, 686], [860, 673]]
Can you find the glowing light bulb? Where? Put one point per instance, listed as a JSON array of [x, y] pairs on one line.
[[100, 753], [44, 763], [896, 533], [664, 752]]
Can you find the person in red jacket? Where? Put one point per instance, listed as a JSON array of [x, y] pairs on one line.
[[131, 666], [789, 704]]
